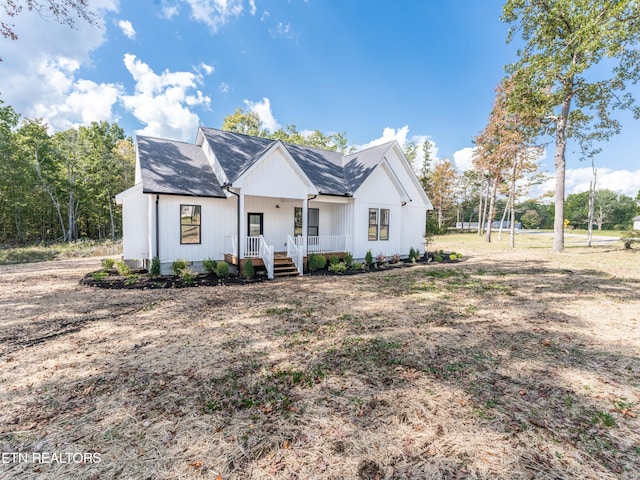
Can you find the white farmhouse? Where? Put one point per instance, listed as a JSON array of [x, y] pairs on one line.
[[282, 202]]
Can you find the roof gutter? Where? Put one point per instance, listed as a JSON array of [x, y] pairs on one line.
[[227, 187]]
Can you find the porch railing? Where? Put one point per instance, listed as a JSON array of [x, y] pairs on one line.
[[324, 243], [265, 252], [295, 253]]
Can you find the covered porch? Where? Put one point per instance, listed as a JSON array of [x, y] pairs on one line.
[[298, 249]]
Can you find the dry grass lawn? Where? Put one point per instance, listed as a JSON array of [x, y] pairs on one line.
[[508, 365]]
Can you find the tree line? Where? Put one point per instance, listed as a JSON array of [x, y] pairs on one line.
[[60, 186]]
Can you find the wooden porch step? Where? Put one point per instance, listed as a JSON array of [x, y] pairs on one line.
[[284, 267]]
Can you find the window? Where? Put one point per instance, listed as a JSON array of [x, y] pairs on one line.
[[384, 224], [313, 222], [255, 225], [190, 224], [379, 224], [373, 224]]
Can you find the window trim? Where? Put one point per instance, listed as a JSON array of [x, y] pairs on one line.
[[384, 224], [197, 212], [297, 228], [372, 235]]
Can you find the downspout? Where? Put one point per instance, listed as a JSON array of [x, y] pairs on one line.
[[157, 227], [227, 187]]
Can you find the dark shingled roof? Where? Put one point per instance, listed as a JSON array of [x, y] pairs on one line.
[[179, 168], [176, 168], [330, 172]]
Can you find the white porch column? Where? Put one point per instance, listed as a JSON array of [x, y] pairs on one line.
[[242, 233], [305, 220]]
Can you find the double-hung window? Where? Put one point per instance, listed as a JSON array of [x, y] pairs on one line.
[[378, 224], [190, 224]]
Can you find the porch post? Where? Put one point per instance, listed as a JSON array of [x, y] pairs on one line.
[[241, 228], [305, 220]]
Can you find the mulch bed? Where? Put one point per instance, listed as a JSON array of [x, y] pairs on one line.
[[140, 279]]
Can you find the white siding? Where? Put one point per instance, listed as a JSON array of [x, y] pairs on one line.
[[378, 192], [218, 219], [274, 176], [135, 225], [406, 178]]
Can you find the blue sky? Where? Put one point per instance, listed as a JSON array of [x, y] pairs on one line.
[[374, 70]]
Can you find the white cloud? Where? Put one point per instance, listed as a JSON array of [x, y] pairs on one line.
[[169, 11], [462, 158], [577, 181], [281, 30], [39, 75], [207, 69], [161, 101], [127, 28], [263, 110], [215, 13], [388, 134], [252, 7], [224, 88]]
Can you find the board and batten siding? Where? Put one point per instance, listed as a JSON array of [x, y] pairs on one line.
[[135, 227], [377, 192], [218, 219], [274, 176]]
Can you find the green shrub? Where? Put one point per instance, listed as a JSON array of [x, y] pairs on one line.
[[154, 270], [178, 265], [99, 276], [210, 265], [459, 255], [348, 259], [222, 270], [316, 262], [358, 266], [413, 255], [453, 256], [107, 263], [368, 258], [131, 279], [333, 259], [187, 275], [248, 270], [437, 257], [122, 268], [339, 267]]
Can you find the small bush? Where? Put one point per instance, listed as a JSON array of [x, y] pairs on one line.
[[222, 270], [339, 267], [459, 255], [316, 262], [437, 257], [187, 275], [333, 260], [107, 263], [381, 259], [395, 258], [348, 259], [178, 265], [368, 258], [154, 270], [413, 255], [122, 268], [131, 279], [248, 270], [453, 256], [358, 266], [210, 265], [99, 276]]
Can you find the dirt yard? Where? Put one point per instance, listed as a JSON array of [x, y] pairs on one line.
[[507, 365]]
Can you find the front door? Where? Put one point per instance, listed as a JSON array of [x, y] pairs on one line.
[[255, 224]]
